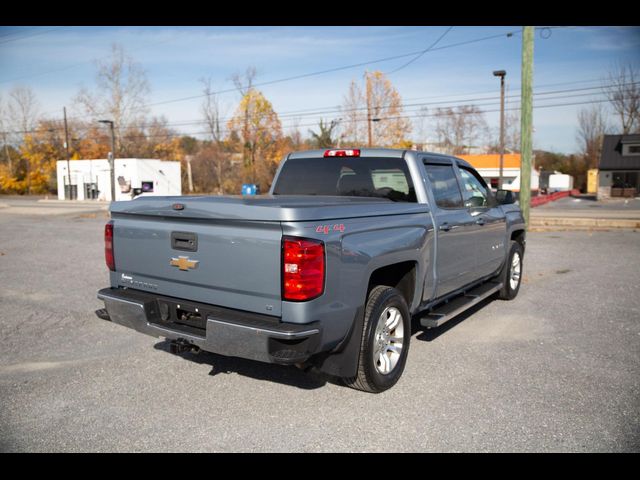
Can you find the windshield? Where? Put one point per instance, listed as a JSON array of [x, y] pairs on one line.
[[347, 176]]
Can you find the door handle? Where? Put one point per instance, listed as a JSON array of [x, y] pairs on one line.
[[480, 221]]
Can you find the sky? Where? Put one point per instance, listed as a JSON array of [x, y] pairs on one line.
[[570, 63]]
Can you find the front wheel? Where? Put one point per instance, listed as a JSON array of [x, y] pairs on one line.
[[385, 341], [511, 274]]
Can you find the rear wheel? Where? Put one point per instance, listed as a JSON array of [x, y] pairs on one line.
[[511, 275], [385, 341]]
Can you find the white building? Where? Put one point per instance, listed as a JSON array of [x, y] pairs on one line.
[[91, 179], [488, 166]]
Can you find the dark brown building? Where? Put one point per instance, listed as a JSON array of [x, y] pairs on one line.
[[619, 168]]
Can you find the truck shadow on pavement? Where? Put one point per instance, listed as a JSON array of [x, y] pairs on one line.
[[220, 364], [432, 334], [292, 376]]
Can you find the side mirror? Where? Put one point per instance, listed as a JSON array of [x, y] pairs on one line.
[[505, 197], [475, 202]]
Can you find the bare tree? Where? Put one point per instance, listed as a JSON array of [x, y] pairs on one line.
[[210, 110], [354, 115], [459, 128], [23, 108], [295, 134], [592, 127], [511, 134], [121, 94], [421, 126], [23, 112], [244, 82], [4, 126], [622, 88], [244, 85], [512, 131]]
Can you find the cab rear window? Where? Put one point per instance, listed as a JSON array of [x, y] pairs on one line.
[[347, 176]]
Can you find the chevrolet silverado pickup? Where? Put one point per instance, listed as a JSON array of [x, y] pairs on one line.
[[326, 271]]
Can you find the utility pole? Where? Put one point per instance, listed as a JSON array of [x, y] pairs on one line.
[[526, 146], [368, 91], [112, 159], [66, 146], [501, 74]]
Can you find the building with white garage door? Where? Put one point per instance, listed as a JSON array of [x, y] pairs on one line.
[[91, 179]]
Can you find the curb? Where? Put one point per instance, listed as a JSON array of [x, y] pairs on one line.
[[584, 222], [73, 203]]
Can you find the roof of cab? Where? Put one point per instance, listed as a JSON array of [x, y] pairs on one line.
[[364, 152], [377, 152]]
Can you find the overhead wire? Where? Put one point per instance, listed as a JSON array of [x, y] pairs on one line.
[[452, 103], [361, 120], [2, 42], [430, 47]]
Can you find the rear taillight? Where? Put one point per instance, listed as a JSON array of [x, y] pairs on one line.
[[302, 268], [108, 247]]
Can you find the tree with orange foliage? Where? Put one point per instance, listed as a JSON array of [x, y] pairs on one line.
[[94, 143], [256, 131], [34, 171], [381, 105]]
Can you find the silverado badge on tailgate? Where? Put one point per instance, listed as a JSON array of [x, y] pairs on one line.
[[183, 263]]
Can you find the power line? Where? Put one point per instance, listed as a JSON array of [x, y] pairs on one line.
[[334, 110], [423, 52], [421, 115], [332, 70], [32, 35], [321, 72], [556, 94], [73, 65], [17, 32]]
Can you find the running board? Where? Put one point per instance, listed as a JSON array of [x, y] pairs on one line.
[[457, 305]]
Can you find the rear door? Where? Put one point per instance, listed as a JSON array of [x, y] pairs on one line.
[[455, 254], [490, 228]]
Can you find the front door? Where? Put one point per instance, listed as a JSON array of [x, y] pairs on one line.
[[455, 254], [489, 231]]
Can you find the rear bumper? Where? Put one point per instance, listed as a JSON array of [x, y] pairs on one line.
[[215, 329]]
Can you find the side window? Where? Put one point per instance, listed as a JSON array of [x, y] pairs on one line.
[[475, 193], [445, 186]]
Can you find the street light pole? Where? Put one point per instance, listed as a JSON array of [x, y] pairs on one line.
[[66, 146], [501, 74], [112, 159]]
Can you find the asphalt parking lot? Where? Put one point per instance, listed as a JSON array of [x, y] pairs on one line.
[[557, 369]]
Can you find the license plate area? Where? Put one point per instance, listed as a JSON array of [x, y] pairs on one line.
[[180, 316]]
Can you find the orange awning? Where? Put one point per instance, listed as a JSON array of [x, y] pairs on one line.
[[511, 160]]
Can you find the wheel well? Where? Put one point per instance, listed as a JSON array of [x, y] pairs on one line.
[[519, 236], [401, 276]]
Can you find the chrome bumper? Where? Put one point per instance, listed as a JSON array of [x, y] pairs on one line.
[[228, 332]]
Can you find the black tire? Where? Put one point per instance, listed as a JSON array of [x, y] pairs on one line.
[[369, 378], [509, 291]]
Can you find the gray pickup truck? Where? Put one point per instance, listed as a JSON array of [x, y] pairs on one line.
[[328, 270]]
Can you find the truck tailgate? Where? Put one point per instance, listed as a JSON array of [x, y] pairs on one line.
[[232, 263]]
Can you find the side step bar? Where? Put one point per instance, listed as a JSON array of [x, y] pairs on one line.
[[445, 312]]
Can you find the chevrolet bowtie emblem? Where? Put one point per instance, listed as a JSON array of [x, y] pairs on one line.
[[183, 263]]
